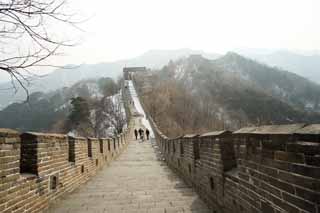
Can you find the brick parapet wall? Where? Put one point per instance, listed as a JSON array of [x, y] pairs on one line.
[[250, 171], [37, 168]]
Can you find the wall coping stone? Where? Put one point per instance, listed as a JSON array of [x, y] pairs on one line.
[[8, 133], [313, 129], [190, 135], [271, 129], [77, 137], [44, 135], [92, 139], [216, 133], [104, 138], [176, 138], [245, 130]]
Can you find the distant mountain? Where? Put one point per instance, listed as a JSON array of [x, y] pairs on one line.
[[290, 87], [238, 90], [306, 64], [156, 59], [60, 78]]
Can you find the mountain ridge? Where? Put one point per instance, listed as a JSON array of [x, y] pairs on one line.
[[66, 77], [305, 64], [230, 92]]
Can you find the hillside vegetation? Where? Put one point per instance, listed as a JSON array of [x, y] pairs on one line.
[[195, 94], [88, 108]]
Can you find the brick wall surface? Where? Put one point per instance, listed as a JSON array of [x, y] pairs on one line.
[[38, 168], [262, 169]]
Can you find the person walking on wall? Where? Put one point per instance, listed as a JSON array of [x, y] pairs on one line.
[[136, 133], [147, 133], [141, 133]]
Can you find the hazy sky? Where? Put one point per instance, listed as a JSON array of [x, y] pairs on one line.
[[119, 29], [124, 28]]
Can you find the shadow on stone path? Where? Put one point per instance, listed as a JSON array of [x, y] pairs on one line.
[[138, 181]]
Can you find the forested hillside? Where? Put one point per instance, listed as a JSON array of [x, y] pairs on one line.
[[196, 94], [62, 111]]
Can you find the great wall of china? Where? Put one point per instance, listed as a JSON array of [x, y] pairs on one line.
[[258, 169], [272, 168]]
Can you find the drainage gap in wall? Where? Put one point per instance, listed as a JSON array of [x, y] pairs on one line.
[[53, 182], [97, 162], [82, 169]]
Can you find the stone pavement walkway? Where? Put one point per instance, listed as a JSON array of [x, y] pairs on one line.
[[137, 182]]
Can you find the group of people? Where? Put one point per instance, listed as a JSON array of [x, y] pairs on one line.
[[141, 133]]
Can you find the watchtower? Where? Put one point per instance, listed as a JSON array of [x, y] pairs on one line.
[[128, 71]]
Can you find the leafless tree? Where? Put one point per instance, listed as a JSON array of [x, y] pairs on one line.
[[117, 115], [26, 37], [108, 113], [100, 116]]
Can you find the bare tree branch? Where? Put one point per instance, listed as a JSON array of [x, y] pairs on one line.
[[25, 23]]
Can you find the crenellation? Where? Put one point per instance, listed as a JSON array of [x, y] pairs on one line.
[[38, 168], [256, 169]]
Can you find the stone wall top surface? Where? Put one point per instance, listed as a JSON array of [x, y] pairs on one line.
[[8, 133], [216, 133], [245, 130], [91, 138], [313, 129], [190, 135], [43, 135], [287, 129], [77, 137], [104, 138]]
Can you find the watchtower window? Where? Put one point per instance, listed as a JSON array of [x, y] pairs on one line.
[[174, 147], [109, 146]]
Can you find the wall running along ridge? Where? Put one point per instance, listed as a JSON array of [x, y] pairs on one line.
[[269, 169]]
